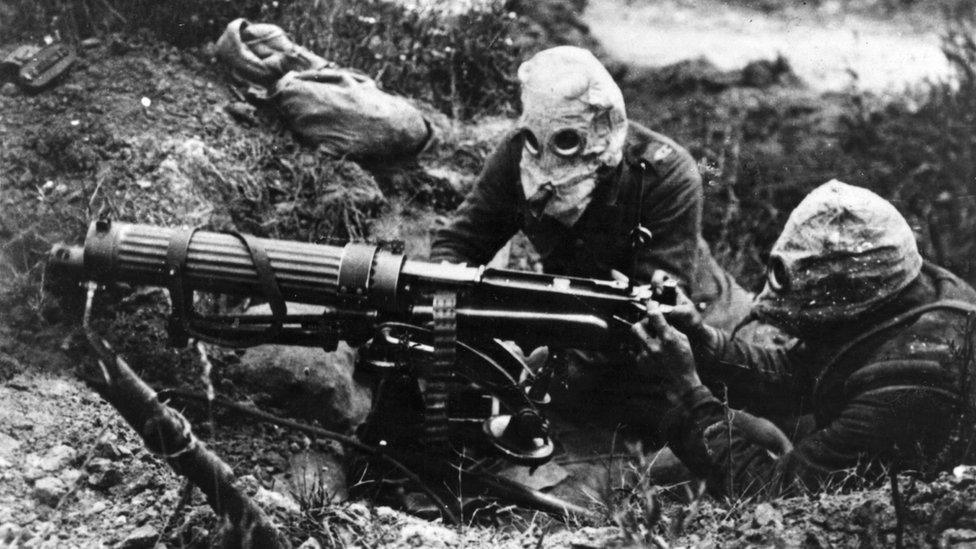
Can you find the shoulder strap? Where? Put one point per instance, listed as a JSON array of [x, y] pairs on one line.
[[905, 317], [640, 236]]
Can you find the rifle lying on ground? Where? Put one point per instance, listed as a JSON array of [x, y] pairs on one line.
[[430, 334]]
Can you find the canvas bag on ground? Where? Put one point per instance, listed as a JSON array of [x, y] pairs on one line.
[[259, 53], [344, 112]]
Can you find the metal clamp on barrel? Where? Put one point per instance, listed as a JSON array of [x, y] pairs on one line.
[[184, 323], [354, 271], [370, 274]]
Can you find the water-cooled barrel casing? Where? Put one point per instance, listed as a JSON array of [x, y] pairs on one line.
[[221, 262], [530, 308]]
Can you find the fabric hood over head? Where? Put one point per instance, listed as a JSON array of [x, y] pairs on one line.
[[566, 91], [843, 252]]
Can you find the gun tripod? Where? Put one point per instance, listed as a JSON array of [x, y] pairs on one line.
[[454, 446]]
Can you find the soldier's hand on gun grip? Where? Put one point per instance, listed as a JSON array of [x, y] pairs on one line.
[[684, 314], [666, 350]]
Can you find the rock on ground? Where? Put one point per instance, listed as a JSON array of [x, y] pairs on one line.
[[269, 500], [309, 383], [142, 537], [56, 458], [310, 543], [48, 490], [427, 534], [104, 474]]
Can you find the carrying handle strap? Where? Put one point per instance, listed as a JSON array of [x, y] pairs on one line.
[[182, 325], [176, 253], [268, 282]]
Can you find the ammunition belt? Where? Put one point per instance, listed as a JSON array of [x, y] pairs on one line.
[[438, 374]]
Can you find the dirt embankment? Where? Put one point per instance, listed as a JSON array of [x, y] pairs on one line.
[[74, 475]]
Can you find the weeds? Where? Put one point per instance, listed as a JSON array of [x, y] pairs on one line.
[[324, 200], [183, 22], [647, 514], [462, 63], [324, 518]]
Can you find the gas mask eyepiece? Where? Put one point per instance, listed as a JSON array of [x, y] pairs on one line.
[[567, 143]]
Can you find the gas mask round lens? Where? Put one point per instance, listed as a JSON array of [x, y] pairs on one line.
[[777, 275], [567, 143]]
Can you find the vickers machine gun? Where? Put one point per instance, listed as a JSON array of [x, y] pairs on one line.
[[430, 334]]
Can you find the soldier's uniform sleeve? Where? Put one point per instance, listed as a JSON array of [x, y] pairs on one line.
[[672, 211], [894, 405], [763, 378], [489, 215]]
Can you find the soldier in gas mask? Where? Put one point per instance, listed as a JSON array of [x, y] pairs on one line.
[[882, 371], [592, 191], [596, 195]]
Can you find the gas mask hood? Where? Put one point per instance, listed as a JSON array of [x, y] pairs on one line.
[[573, 122], [844, 252]]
